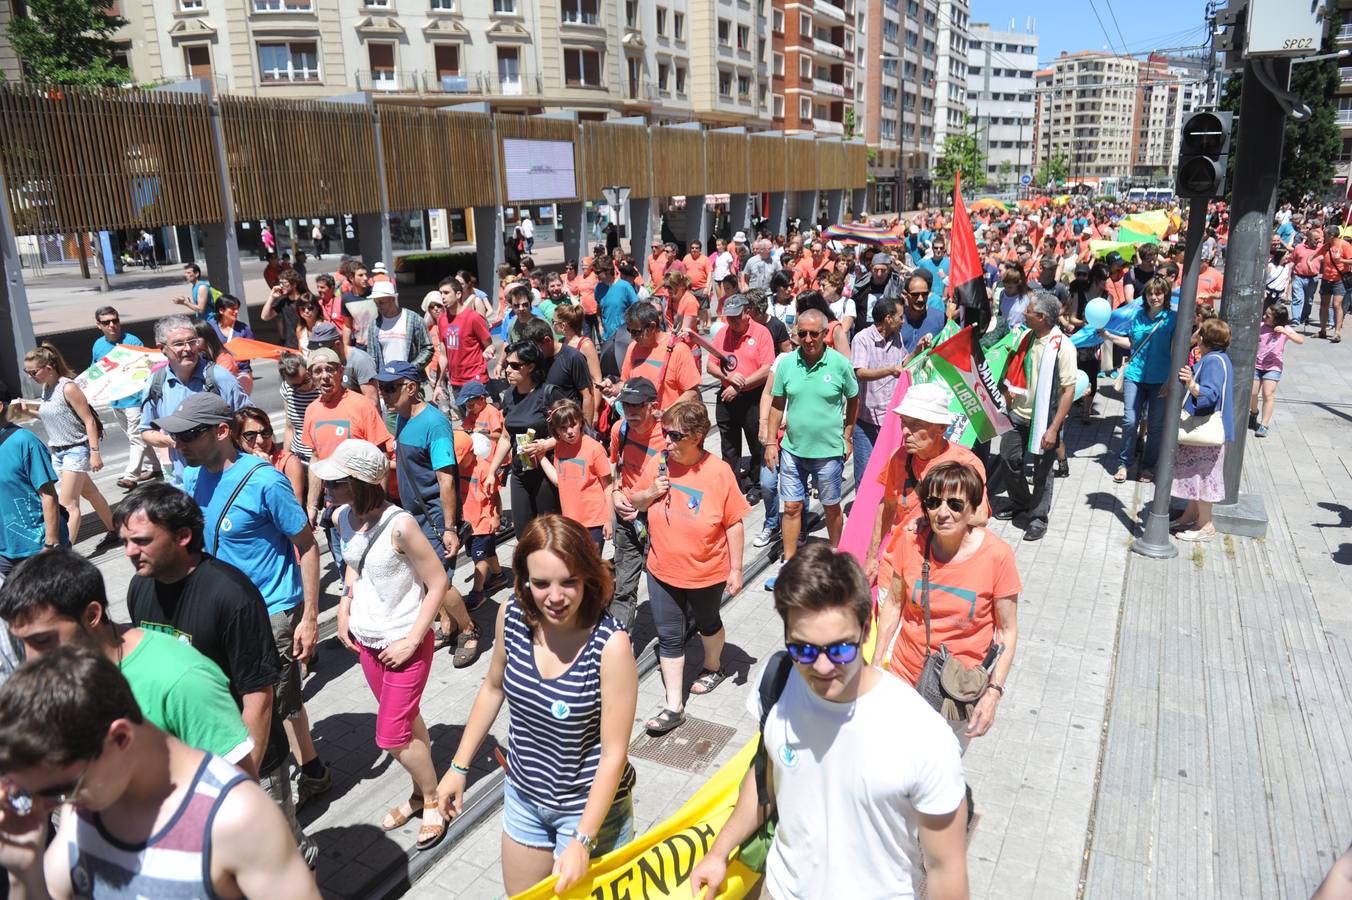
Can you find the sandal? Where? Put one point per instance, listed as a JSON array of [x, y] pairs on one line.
[[1146, 476], [666, 720], [1336, 339], [439, 638], [1121, 475], [399, 818], [429, 835], [466, 649], [707, 681]]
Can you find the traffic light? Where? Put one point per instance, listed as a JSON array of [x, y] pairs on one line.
[[1203, 145]]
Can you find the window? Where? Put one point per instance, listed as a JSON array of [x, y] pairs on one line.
[[804, 109], [743, 37], [777, 25], [277, 5], [197, 60], [890, 31], [580, 12], [724, 32], [631, 13], [804, 24], [290, 61], [383, 4], [447, 60], [504, 6], [663, 71], [724, 83], [777, 64], [443, 5], [678, 26], [744, 88], [381, 59], [189, 5], [581, 67], [778, 106], [509, 70], [890, 67], [889, 97], [661, 21], [889, 129], [680, 79], [804, 66]]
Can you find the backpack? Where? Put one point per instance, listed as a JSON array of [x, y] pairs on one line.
[[156, 390], [774, 679]]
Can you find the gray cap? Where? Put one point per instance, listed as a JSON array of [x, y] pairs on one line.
[[324, 332], [734, 305], [882, 259], [201, 408]]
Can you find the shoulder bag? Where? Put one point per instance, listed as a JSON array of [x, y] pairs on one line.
[[1208, 430], [220, 520]]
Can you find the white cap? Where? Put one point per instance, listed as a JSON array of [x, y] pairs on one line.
[[739, 237], [928, 403], [352, 458], [383, 289], [431, 297]]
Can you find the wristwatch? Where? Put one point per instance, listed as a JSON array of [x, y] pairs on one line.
[[586, 840]]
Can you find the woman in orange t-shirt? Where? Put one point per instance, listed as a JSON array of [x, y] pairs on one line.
[[580, 469], [695, 511], [970, 580]]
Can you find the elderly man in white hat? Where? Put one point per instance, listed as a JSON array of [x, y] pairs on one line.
[[396, 334], [925, 420]]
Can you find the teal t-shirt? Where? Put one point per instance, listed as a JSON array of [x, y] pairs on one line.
[[25, 466], [815, 411], [1150, 359], [186, 695]]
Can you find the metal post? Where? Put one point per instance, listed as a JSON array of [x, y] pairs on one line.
[[1254, 200], [1154, 542], [13, 305]]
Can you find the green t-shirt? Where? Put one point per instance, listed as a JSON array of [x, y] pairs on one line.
[[186, 695], [815, 410]]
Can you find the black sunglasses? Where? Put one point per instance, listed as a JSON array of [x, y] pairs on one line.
[[112, 321], [673, 435], [256, 434], [841, 653], [393, 386], [636, 332], [192, 434], [918, 294], [957, 504], [514, 365]]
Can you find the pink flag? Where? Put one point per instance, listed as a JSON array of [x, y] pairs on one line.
[[858, 531]]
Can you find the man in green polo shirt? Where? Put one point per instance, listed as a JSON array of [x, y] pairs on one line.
[[816, 395]]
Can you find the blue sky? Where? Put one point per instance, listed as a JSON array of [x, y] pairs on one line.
[[1062, 25]]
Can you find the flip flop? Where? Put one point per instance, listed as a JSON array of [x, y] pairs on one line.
[[1120, 476], [666, 720]]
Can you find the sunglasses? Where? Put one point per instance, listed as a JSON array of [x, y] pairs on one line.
[[808, 332], [841, 653], [112, 321], [674, 435], [394, 387], [957, 504], [192, 434], [515, 366], [636, 332], [917, 294], [21, 801], [256, 434]]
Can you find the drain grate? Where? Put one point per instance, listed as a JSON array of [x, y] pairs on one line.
[[689, 748]]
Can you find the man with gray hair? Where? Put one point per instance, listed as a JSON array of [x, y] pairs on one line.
[[188, 372], [1039, 391], [759, 267]]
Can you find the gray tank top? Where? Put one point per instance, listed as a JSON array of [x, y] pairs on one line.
[[63, 426]]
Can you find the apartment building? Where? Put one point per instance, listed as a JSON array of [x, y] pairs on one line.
[[813, 70], [1164, 95], [731, 62], [951, 105], [1343, 41], [1087, 114], [1001, 69], [896, 66]]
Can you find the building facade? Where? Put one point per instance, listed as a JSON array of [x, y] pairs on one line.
[[1087, 114], [1001, 77], [813, 75], [951, 106]]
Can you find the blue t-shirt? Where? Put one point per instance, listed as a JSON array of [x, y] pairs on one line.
[[934, 322], [1150, 364], [25, 466], [102, 347], [939, 273], [175, 392], [254, 535], [612, 300], [426, 443], [1286, 231]]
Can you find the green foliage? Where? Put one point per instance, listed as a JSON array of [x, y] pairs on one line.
[[851, 122], [1056, 167], [961, 153], [1006, 172], [68, 42]]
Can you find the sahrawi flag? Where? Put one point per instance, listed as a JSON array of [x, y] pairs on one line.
[[960, 363]]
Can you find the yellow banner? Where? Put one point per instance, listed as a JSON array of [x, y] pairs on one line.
[[659, 862]]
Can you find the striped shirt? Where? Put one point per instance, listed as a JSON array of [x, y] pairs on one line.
[[554, 740], [174, 864], [296, 402]]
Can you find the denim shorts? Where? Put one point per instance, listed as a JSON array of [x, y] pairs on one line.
[[1267, 374], [532, 825], [794, 474], [1334, 288], [72, 459]]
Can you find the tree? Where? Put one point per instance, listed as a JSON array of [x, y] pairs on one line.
[[961, 153], [1006, 172], [1311, 146], [851, 122], [1055, 168], [69, 42]]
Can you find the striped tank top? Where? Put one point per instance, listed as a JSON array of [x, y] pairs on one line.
[[554, 740], [174, 864], [64, 427]]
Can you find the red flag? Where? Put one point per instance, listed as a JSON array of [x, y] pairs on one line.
[[967, 276]]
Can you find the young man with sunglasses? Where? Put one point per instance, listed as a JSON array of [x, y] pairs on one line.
[[141, 813], [254, 522], [840, 835], [142, 463]]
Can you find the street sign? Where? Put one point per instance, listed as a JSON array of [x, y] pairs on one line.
[[1026, 180], [616, 196]]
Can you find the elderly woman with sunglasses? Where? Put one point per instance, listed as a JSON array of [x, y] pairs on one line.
[[968, 578], [695, 511]]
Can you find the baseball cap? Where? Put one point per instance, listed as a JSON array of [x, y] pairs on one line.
[[323, 333], [638, 390], [322, 355], [927, 402], [400, 370], [353, 458], [469, 391], [882, 259], [383, 289], [734, 305], [1082, 271], [1114, 257], [202, 408], [739, 237]]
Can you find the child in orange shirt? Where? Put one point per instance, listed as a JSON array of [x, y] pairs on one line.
[[481, 515], [581, 470], [479, 416]]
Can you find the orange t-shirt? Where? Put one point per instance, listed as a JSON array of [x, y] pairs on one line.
[[353, 416], [897, 483], [688, 305], [674, 373], [657, 267], [630, 452], [1211, 282], [688, 527], [961, 597], [805, 273], [1337, 252], [487, 422], [698, 271], [481, 510], [584, 475]]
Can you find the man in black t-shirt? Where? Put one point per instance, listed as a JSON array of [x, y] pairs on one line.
[[183, 592], [563, 367]]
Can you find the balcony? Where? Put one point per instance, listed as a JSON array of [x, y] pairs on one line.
[[826, 126], [822, 86], [1345, 117], [387, 81], [826, 48], [829, 10], [494, 84], [1344, 35], [449, 84], [1345, 74]]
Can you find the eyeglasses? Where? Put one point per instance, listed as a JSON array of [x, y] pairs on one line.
[[917, 295], [672, 435], [183, 345], [21, 801], [515, 366], [841, 653], [957, 504], [112, 321], [192, 434], [256, 434], [808, 332]]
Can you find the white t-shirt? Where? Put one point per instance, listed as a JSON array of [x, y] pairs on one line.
[[394, 338], [722, 266], [527, 227], [850, 782]]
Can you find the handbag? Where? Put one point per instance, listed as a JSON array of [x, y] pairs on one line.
[[1207, 430]]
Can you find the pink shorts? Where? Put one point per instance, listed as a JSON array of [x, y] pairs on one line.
[[398, 692]]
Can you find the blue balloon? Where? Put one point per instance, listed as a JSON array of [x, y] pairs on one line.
[[1081, 383], [1097, 312]]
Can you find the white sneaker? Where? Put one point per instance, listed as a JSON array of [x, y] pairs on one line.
[[767, 534]]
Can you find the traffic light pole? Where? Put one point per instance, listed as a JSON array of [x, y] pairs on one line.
[[1154, 542], [1262, 126]]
